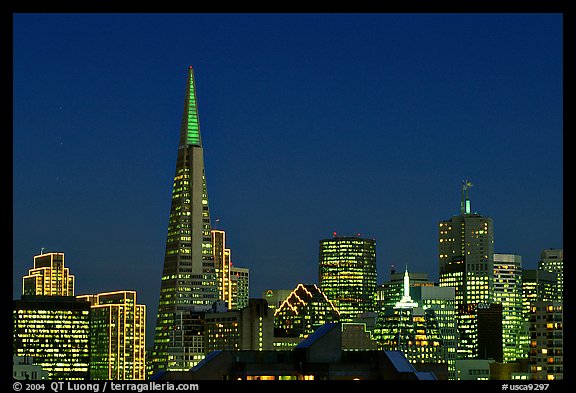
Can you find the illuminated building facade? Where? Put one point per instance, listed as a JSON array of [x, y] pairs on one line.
[[55, 332], [49, 277], [546, 355], [347, 274], [442, 301], [222, 264], [117, 336], [304, 310], [240, 287], [552, 261], [508, 292], [411, 329], [188, 277], [466, 255]]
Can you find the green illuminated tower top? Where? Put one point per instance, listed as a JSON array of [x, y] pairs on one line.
[[190, 129]]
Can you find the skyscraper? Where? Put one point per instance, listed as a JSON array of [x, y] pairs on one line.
[[188, 278], [466, 251], [552, 261], [347, 274], [49, 277], [117, 336]]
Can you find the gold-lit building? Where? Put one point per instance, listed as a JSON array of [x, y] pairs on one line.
[[49, 277], [546, 355], [117, 336]]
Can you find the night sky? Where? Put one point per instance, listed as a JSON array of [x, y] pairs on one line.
[[311, 124]]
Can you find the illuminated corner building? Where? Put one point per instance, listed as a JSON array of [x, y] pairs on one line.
[[413, 330], [251, 328], [304, 310], [508, 292], [240, 287], [546, 356], [55, 332], [49, 277], [188, 276], [347, 274], [222, 264], [117, 336], [552, 261], [466, 262]]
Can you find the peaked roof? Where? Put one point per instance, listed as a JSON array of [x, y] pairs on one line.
[[190, 128]]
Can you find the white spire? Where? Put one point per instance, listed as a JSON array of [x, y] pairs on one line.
[[406, 301]]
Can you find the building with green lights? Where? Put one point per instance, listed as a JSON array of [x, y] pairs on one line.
[[304, 310], [55, 332], [189, 280], [239, 287], [508, 292], [347, 274], [117, 336], [466, 262], [390, 292], [552, 261]]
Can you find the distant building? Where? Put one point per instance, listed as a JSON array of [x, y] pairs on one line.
[[390, 292], [466, 256], [319, 357], [546, 356], [552, 261], [473, 369], [347, 274], [275, 297], [55, 332], [117, 336], [240, 287], [222, 264], [49, 277], [508, 292]]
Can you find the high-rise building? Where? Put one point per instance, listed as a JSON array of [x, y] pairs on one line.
[[552, 261], [117, 336], [240, 287], [49, 277], [55, 332], [347, 274], [546, 356], [390, 292], [508, 292], [466, 252], [188, 277], [222, 264]]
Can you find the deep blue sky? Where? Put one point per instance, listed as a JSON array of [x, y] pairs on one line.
[[311, 124]]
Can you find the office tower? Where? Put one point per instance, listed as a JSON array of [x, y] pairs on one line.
[[412, 329], [49, 277], [390, 292], [347, 274], [251, 328], [552, 261], [188, 278], [222, 264], [508, 292], [466, 251], [489, 318], [117, 336], [240, 287], [55, 332], [546, 356], [304, 310], [442, 301], [275, 297]]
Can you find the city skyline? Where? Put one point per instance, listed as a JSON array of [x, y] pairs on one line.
[[285, 178]]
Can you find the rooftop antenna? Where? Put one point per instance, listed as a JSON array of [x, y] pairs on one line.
[[465, 204], [42, 251]]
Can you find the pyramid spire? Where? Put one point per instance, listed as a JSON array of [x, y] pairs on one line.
[[190, 129]]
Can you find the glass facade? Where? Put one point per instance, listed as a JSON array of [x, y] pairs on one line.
[[347, 274]]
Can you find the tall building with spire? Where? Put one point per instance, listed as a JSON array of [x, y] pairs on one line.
[[189, 281], [466, 261]]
